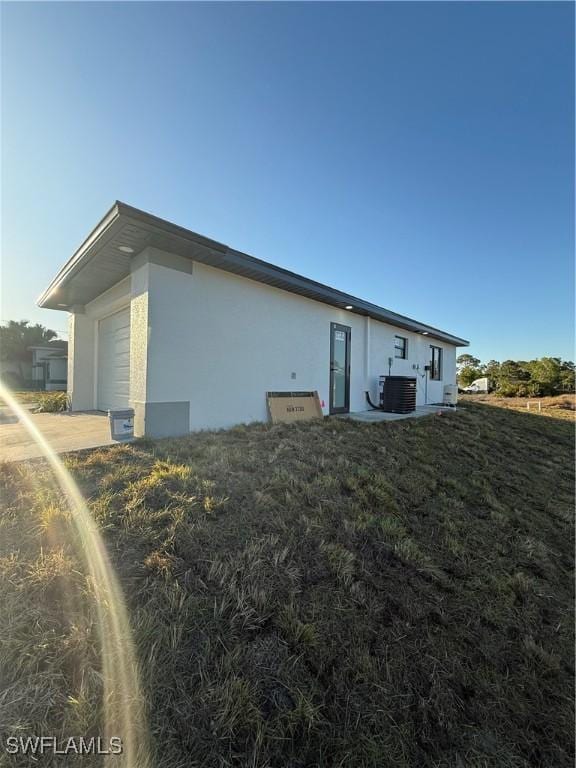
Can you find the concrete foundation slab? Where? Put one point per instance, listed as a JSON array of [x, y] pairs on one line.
[[376, 416]]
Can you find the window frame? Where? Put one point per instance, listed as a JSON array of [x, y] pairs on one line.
[[403, 349], [347, 330], [436, 362]]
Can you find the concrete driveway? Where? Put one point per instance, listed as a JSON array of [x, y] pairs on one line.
[[64, 431]]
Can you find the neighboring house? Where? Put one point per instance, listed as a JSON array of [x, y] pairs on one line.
[[192, 334], [45, 370], [50, 366]]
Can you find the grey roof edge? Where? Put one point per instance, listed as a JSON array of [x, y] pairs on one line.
[[169, 227], [119, 208], [235, 261], [79, 254]]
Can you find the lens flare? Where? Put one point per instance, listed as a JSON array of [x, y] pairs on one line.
[[123, 706]]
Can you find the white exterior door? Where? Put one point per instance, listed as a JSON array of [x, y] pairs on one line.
[[114, 361]]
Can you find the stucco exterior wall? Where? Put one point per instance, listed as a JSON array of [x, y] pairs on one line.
[[236, 340], [418, 354], [139, 284], [219, 342], [81, 346], [206, 345]]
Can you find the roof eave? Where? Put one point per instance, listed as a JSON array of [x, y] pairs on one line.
[[79, 255], [221, 256]]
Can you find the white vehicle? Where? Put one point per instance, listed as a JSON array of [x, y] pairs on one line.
[[478, 386]]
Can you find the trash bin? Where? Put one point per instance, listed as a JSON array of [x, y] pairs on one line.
[[121, 424]]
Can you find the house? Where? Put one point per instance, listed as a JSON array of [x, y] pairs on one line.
[[192, 334], [44, 370], [50, 366]]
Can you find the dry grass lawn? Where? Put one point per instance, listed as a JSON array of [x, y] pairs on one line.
[[324, 594], [558, 407]]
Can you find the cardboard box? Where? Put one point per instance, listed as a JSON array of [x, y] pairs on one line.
[[287, 407]]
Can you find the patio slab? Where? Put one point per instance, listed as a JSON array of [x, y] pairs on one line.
[[376, 416]]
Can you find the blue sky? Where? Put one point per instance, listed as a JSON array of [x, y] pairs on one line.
[[418, 155]]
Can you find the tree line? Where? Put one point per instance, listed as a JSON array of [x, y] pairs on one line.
[[17, 336], [543, 377]]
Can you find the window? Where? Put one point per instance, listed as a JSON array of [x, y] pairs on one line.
[[400, 347], [436, 363]]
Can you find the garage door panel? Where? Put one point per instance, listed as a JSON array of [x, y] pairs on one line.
[[114, 361]]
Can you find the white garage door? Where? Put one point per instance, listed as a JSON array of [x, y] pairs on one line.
[[114, 361]]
